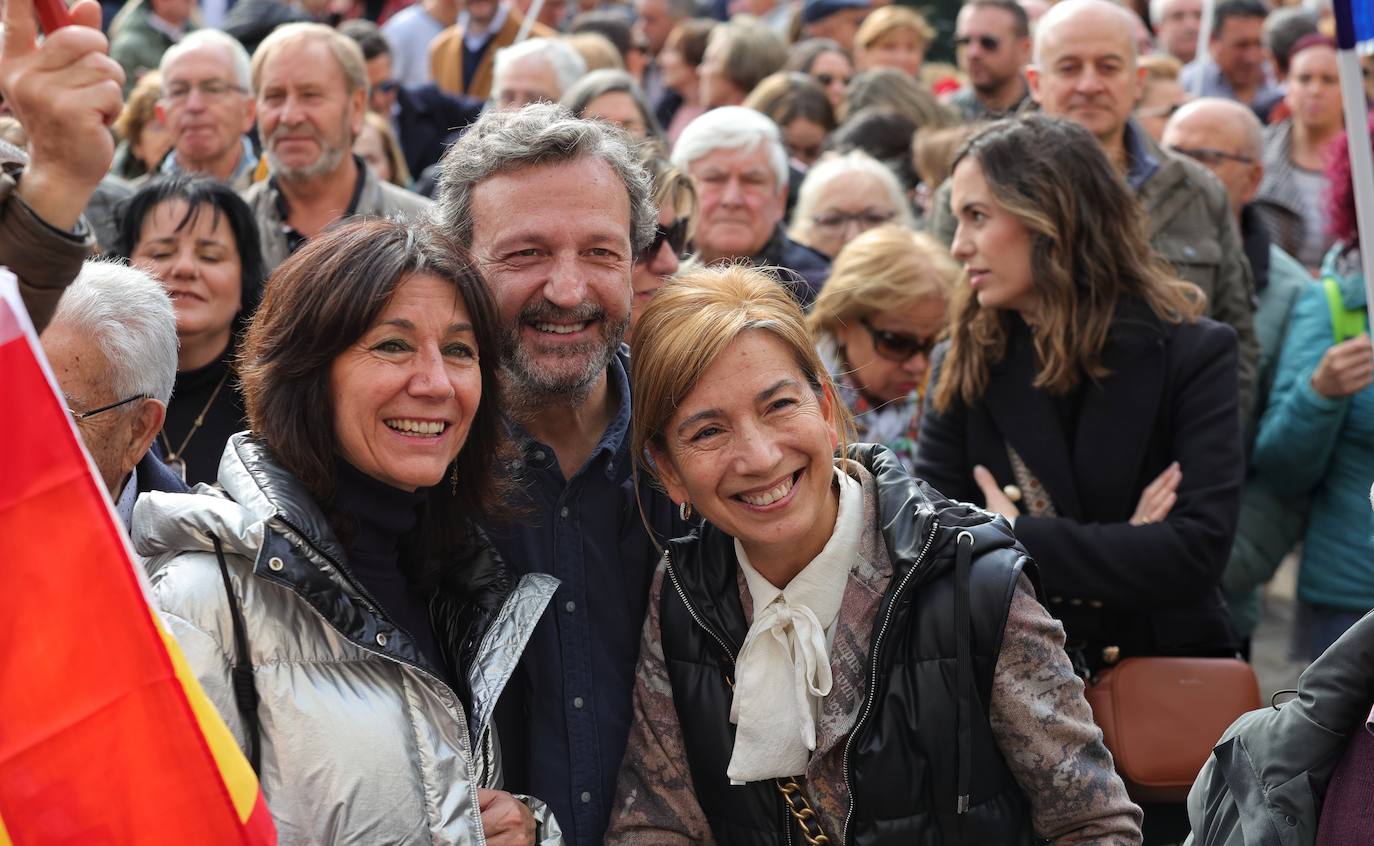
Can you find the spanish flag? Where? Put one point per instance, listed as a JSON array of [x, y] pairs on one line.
[[105, 735]]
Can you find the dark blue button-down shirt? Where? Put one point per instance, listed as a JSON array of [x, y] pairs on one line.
[[565, 717]]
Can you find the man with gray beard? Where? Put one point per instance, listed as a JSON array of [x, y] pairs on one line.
[[310, 83], [555, 211]]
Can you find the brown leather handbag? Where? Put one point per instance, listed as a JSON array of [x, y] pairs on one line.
[[1160, 717]]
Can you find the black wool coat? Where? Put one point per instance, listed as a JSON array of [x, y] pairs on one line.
[[1171, 395]]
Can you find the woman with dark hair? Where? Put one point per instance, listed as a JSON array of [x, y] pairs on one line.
[[332, 596], [1316, 431], [1081, 397], [200, 239], [825, 61], [680, 62]]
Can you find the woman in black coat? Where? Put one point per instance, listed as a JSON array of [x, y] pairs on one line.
[[1074, 355]]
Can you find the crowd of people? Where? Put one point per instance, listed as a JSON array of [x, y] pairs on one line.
[[682, 421]]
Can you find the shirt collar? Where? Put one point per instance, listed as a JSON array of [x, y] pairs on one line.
[[613, 440], [294, 239], [1141, 163], [247, 161], [175, 33], [124, 506]]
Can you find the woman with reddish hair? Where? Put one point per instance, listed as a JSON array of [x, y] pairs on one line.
[[1318, 429]]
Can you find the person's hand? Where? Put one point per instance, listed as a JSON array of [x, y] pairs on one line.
[[505, 819], [65, 92], [1345, 369], [997, 501], [1158, 498]]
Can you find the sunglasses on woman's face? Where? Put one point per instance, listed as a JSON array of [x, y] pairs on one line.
[[896, 346], [675, 236]]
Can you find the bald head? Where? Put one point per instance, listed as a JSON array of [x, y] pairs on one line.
[[1226, 137], [1107, 19], [1085, 68]]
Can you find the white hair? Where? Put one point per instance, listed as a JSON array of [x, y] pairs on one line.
[[129, 315], [731, 128], [831, 168], [201, 38], [568, 65]]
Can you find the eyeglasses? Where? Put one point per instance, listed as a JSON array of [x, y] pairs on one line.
[[78, 416], [867, 219], [675, 236], [388, 86], [1159, 111], [989, 43], [828, 79], [897, 347], [1210, 156], [210, 89]]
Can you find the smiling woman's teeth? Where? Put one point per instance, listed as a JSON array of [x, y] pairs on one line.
[[769, 496], [561, 328], [417, 427]]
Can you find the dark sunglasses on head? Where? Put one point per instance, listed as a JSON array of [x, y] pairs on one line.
[[896, 346], [987, 42], [675, 236]]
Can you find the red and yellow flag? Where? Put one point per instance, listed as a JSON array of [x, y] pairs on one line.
[[105, 735]]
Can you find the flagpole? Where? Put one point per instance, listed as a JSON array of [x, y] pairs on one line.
[[1348, 36], [535, 8], [1202, 56]]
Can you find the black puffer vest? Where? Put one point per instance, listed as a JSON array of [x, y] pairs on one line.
[[922, 764]]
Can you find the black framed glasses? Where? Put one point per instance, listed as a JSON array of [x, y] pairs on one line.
[[1210, 156], [989, 43], [78, 416], [675, 236], [897, 346]]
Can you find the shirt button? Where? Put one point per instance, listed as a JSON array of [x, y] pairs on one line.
[[586, 797], [563, 512], [517, 464], [275, 563], [577, 702], [539, 456], [570, 606]]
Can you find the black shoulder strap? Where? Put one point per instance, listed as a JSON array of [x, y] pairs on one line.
[[245, 692]]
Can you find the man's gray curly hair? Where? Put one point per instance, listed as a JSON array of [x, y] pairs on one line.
[[538, 134]]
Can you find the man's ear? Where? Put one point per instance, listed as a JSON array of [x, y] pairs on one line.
[[250, 114], [668, 476], [1033, 81], [143, 430]]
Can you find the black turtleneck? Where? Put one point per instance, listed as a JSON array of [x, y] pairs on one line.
[[375, 519]]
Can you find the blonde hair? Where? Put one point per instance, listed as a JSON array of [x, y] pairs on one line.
[[1158, 67], [884, 269], [887, 19], [400, 173], [141, 108], [933, 149], [689, 323], [344, 50], [596, 51]]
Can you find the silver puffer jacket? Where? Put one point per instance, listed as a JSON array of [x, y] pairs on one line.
[[361, 740]]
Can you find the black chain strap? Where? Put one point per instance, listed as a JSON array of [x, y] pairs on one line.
[[807, 819]]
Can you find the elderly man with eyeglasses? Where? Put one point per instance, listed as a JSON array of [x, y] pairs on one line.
[[1227, 138], [207, 103], [113, 347]]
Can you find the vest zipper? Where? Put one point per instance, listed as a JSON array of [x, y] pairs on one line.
[[873, 671]]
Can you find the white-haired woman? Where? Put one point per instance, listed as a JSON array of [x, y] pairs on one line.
[[844, 196]]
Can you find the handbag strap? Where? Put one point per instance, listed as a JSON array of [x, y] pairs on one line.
[[245, 691], [1035, 500], [800, 809]]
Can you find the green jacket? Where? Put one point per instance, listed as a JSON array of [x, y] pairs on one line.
[[138, 46], [1264, 781], [1191, 226], [1272, 515]]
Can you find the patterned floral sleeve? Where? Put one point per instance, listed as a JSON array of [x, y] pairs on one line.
[[1046, 732], [655, 803]]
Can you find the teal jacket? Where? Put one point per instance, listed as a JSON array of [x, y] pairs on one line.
[[1325, 447], [1271, 515]]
